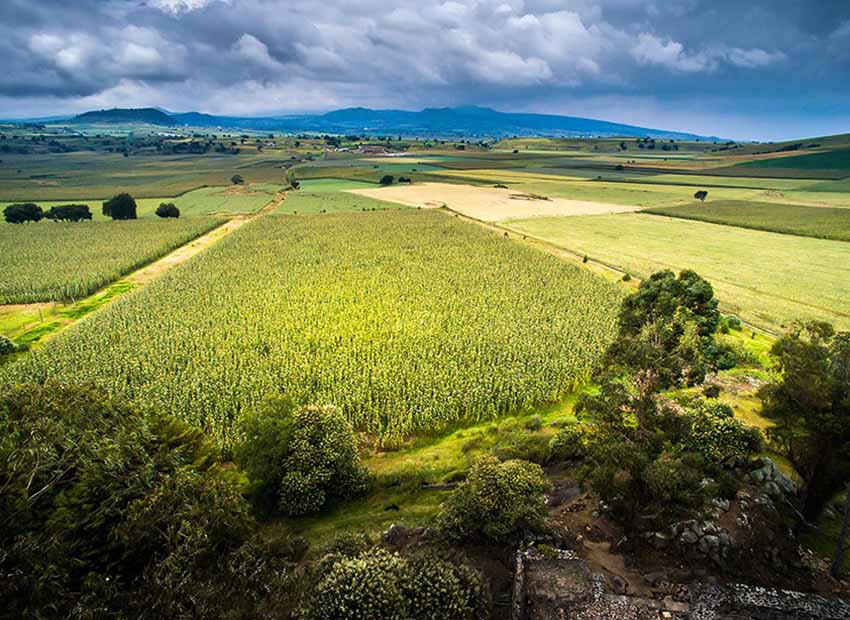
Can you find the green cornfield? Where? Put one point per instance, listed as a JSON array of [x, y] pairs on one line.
[[408, 320], [61, 261]]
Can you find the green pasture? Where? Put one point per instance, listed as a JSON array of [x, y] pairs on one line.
[[311, 201], [820, 222], [767, 279]]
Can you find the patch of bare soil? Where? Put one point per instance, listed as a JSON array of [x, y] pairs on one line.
[[488, 204]]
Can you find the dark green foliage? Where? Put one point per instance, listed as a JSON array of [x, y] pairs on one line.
[[387, 179], [299, 459], [568, 444], [378, 585], [7, 345], [167, 209], [811, 408], [497, 501], [105, 512], [20, 213], [522, 444], [627, 277], [647, 458], [69, 213], [120, 207], [701, 195], [237, 179]]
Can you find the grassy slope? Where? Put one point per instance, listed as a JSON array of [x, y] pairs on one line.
[[765, 278], [819, 222]]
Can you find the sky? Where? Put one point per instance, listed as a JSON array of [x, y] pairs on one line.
[[750, 70]]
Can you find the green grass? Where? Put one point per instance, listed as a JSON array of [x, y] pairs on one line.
[[819, 222], [198, 202], [62, 261], [765, 278], [410, 321], [315, 186], [838, 159], [309, 201]]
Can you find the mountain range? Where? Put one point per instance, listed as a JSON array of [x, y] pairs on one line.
[[470, 121]]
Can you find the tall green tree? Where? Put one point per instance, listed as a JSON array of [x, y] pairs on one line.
[[811, 409], [120, 207]]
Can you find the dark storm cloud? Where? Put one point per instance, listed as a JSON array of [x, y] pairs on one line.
[[637, 61]]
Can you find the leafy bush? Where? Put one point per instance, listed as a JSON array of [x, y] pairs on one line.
[[299, 459], [167, 209], [523, 445], [106, 512], [497, 501], [567, 444], [717, 436], [20, 213], [378, 585], [7, 345]]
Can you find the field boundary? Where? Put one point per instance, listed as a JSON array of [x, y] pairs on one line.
[[61, 316], [601, 267]]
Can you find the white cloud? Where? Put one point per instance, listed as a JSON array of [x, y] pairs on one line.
[[652, 50]]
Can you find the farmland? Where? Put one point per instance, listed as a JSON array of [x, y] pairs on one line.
[[407, 320], [768, 279], [64, 261], [819, 222]]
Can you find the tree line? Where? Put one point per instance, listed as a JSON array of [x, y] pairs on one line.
[[120, 207]]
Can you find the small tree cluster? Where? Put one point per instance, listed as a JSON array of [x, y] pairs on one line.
[[497, 501], [21, 213], [382, 585], [69, 213], [167, 209], [387, 179], [120, 207], [300, 458], [237, 179]]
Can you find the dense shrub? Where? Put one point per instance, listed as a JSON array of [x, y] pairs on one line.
[[387, 179], [299, 459], [20, 213], [167, 209], [69, 213], [120, 207], [567, 444], [497, 501], [713, 432], [105, 511], [522, 444], [7, 345], [378, 585]]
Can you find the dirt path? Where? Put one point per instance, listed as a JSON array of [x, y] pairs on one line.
[[32, 324]]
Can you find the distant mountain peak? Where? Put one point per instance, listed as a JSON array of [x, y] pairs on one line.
[[464, 121], [152, 116]]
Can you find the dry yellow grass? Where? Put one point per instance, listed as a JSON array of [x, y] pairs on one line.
[[490, 204]]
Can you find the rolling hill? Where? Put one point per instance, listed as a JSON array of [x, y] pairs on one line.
[[470, 121]]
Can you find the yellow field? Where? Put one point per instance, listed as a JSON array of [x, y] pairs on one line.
[[489, 204]]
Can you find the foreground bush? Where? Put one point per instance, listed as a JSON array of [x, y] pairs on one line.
[[299, 459], [378, 585], [497, 501], [111, 514]]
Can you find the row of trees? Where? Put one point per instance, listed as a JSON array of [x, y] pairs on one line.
[[30, 212], [120, 207]]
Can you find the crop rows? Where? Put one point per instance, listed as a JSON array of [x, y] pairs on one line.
[[63, 261], [407, 320]]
